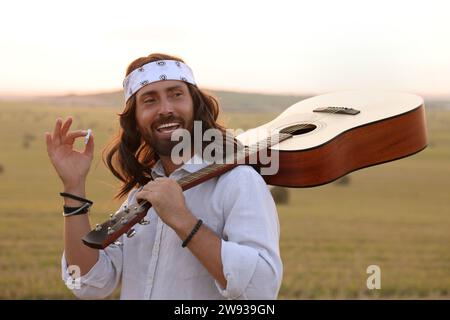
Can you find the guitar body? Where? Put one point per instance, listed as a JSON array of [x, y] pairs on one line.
[[326, 146]]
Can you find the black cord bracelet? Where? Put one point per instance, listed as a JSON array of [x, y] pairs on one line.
[[73, 211], [194, 231], [74, 197]]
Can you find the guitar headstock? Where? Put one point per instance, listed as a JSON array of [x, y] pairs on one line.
[[119, 223]]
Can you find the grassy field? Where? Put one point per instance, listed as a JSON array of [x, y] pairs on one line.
[[396, 216]]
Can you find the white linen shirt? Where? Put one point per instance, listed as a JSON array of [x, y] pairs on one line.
[[237, 206]]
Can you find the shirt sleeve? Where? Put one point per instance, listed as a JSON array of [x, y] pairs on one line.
[[250, 241], [103, 277], [101, 280]]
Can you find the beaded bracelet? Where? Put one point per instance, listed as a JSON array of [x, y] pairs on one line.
[[194, 231]]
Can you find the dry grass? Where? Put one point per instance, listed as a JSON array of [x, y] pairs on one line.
[[395, 216]]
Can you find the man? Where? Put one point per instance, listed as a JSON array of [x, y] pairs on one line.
[[218, 240]]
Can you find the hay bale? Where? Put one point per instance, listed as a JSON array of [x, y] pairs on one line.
[[343, 181], [280, 195], [29, 137]]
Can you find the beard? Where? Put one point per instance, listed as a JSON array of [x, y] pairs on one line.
[[164, 146]]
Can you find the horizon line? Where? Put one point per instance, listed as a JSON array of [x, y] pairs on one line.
[[66, 93]]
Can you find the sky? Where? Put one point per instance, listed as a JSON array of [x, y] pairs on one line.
[[291, 47]]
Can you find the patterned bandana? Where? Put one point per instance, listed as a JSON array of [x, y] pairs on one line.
[[156, 71]]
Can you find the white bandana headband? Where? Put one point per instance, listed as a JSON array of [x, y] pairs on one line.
[[156, 71]]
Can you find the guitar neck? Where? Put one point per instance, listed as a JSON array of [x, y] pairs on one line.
[[241, 157], [122, 222]]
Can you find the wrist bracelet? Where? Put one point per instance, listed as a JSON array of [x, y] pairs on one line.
[[194, 231], [74, 197], [73, 211]]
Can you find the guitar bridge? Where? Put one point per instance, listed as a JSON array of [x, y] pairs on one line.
[[338, 110]]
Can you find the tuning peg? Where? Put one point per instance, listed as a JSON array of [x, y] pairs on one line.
[[98, 227], [110, 230], [131, 233], [112, 218], [144, 222], [123, 220]]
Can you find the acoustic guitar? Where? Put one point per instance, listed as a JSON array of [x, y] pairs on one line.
[[316, 140]]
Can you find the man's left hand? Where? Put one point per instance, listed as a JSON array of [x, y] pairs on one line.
[[166, 197]]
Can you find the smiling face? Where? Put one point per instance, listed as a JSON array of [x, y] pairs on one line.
[[161, 108]]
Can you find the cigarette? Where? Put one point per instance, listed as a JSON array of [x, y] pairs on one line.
[[88, 135]]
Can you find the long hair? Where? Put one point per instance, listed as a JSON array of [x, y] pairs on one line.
[[127, 155]]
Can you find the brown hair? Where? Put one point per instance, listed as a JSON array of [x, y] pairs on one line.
[[127, 155]]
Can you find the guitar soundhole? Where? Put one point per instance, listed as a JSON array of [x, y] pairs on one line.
[[298, 129]]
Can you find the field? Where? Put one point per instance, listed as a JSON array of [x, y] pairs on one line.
[[396, 215]]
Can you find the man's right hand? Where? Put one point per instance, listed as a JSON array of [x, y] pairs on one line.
[[71, 165]]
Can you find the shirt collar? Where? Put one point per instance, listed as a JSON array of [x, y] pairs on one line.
[[194, 164]]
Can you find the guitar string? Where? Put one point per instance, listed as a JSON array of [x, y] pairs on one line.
[[213, 167], [210, 168], [251, 149]]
